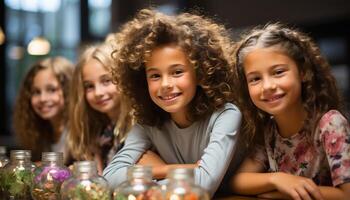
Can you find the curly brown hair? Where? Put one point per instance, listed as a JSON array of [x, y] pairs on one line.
[[29, 127], [319, 90], [207, 45]]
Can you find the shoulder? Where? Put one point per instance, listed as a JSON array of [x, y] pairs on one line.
[[332, 118], [333, 125], [229, 111], [228, 116]]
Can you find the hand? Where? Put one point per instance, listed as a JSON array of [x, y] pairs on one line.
[[296, 187], [151, 159], [273, 195], [159, 167]]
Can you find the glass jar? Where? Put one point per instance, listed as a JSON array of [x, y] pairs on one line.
[[49, 177], [181, 186], [3, 159], [85, 184], [138, 186], [16, 176]]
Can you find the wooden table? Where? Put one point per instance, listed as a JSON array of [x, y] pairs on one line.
[[236, 197]]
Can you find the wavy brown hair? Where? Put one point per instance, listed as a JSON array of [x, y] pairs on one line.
[[29, 127], [86, 124], [319, 90], [207, 45]]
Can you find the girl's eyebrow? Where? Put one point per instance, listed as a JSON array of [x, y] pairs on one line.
[[150, 68], [171, 66], [270, 68]]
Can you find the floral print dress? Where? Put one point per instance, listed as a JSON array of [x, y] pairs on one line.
[[326, 161]]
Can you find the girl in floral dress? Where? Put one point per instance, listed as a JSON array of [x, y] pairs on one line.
[[289, 96]]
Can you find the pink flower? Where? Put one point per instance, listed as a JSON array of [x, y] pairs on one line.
[[346, 163], [327, 118], [300, 152], [333, 142], [285, 165]]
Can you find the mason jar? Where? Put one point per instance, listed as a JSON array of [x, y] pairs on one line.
[[16, 176], [49, 177], [139, 185], [85, 184]]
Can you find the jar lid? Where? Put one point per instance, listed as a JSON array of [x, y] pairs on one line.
[[85, 166], [20, 154], [181, 174], [139, 171], [51, 156]]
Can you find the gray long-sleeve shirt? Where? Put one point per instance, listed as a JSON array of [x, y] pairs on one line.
[[211, 140]]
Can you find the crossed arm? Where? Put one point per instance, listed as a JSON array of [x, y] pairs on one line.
[[251, 181], [160, 168]]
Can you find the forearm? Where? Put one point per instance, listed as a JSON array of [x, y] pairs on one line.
[[247, 183], [330, 193], [160, 172]]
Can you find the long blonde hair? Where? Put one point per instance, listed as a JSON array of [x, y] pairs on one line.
[[30, 127], [86, 124]]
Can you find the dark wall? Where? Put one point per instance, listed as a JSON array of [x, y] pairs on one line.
[[3, 118]]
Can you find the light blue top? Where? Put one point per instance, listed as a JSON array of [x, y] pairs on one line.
[[211, 140]]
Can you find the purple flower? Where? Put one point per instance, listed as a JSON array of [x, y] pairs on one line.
[[61, 175], [56, 173]]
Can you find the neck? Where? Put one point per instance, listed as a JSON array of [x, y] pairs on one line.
[[114, 115], [181, 120], [291, 122], [57, 126]]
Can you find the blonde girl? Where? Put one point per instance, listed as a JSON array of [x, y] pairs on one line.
[[289, 97], [40, 113], [99, 117]]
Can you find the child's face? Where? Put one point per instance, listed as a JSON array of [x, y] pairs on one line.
[[47, 96], [100, 93], [171, 79], [274, 81]]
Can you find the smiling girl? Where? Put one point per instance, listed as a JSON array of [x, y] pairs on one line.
[[40, 114], [99, 118], [289, 95], [176, 73]]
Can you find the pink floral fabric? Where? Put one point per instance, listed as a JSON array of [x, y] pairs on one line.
[[326, 161]]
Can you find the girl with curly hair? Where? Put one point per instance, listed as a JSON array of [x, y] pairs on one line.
[[99, 118], [288, 94], [40, 113], [177, 74]]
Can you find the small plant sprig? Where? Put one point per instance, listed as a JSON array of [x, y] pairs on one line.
[[16, 184]]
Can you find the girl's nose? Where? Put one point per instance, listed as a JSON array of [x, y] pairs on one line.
[[98, 90], [268, 84], [44, 96], [167, 83]]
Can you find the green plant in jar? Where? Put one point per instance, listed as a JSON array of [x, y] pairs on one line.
[[16, 177]]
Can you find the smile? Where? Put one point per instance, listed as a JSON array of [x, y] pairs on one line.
[[46, 108], [170, 97], [102, 102], [273, 98]]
